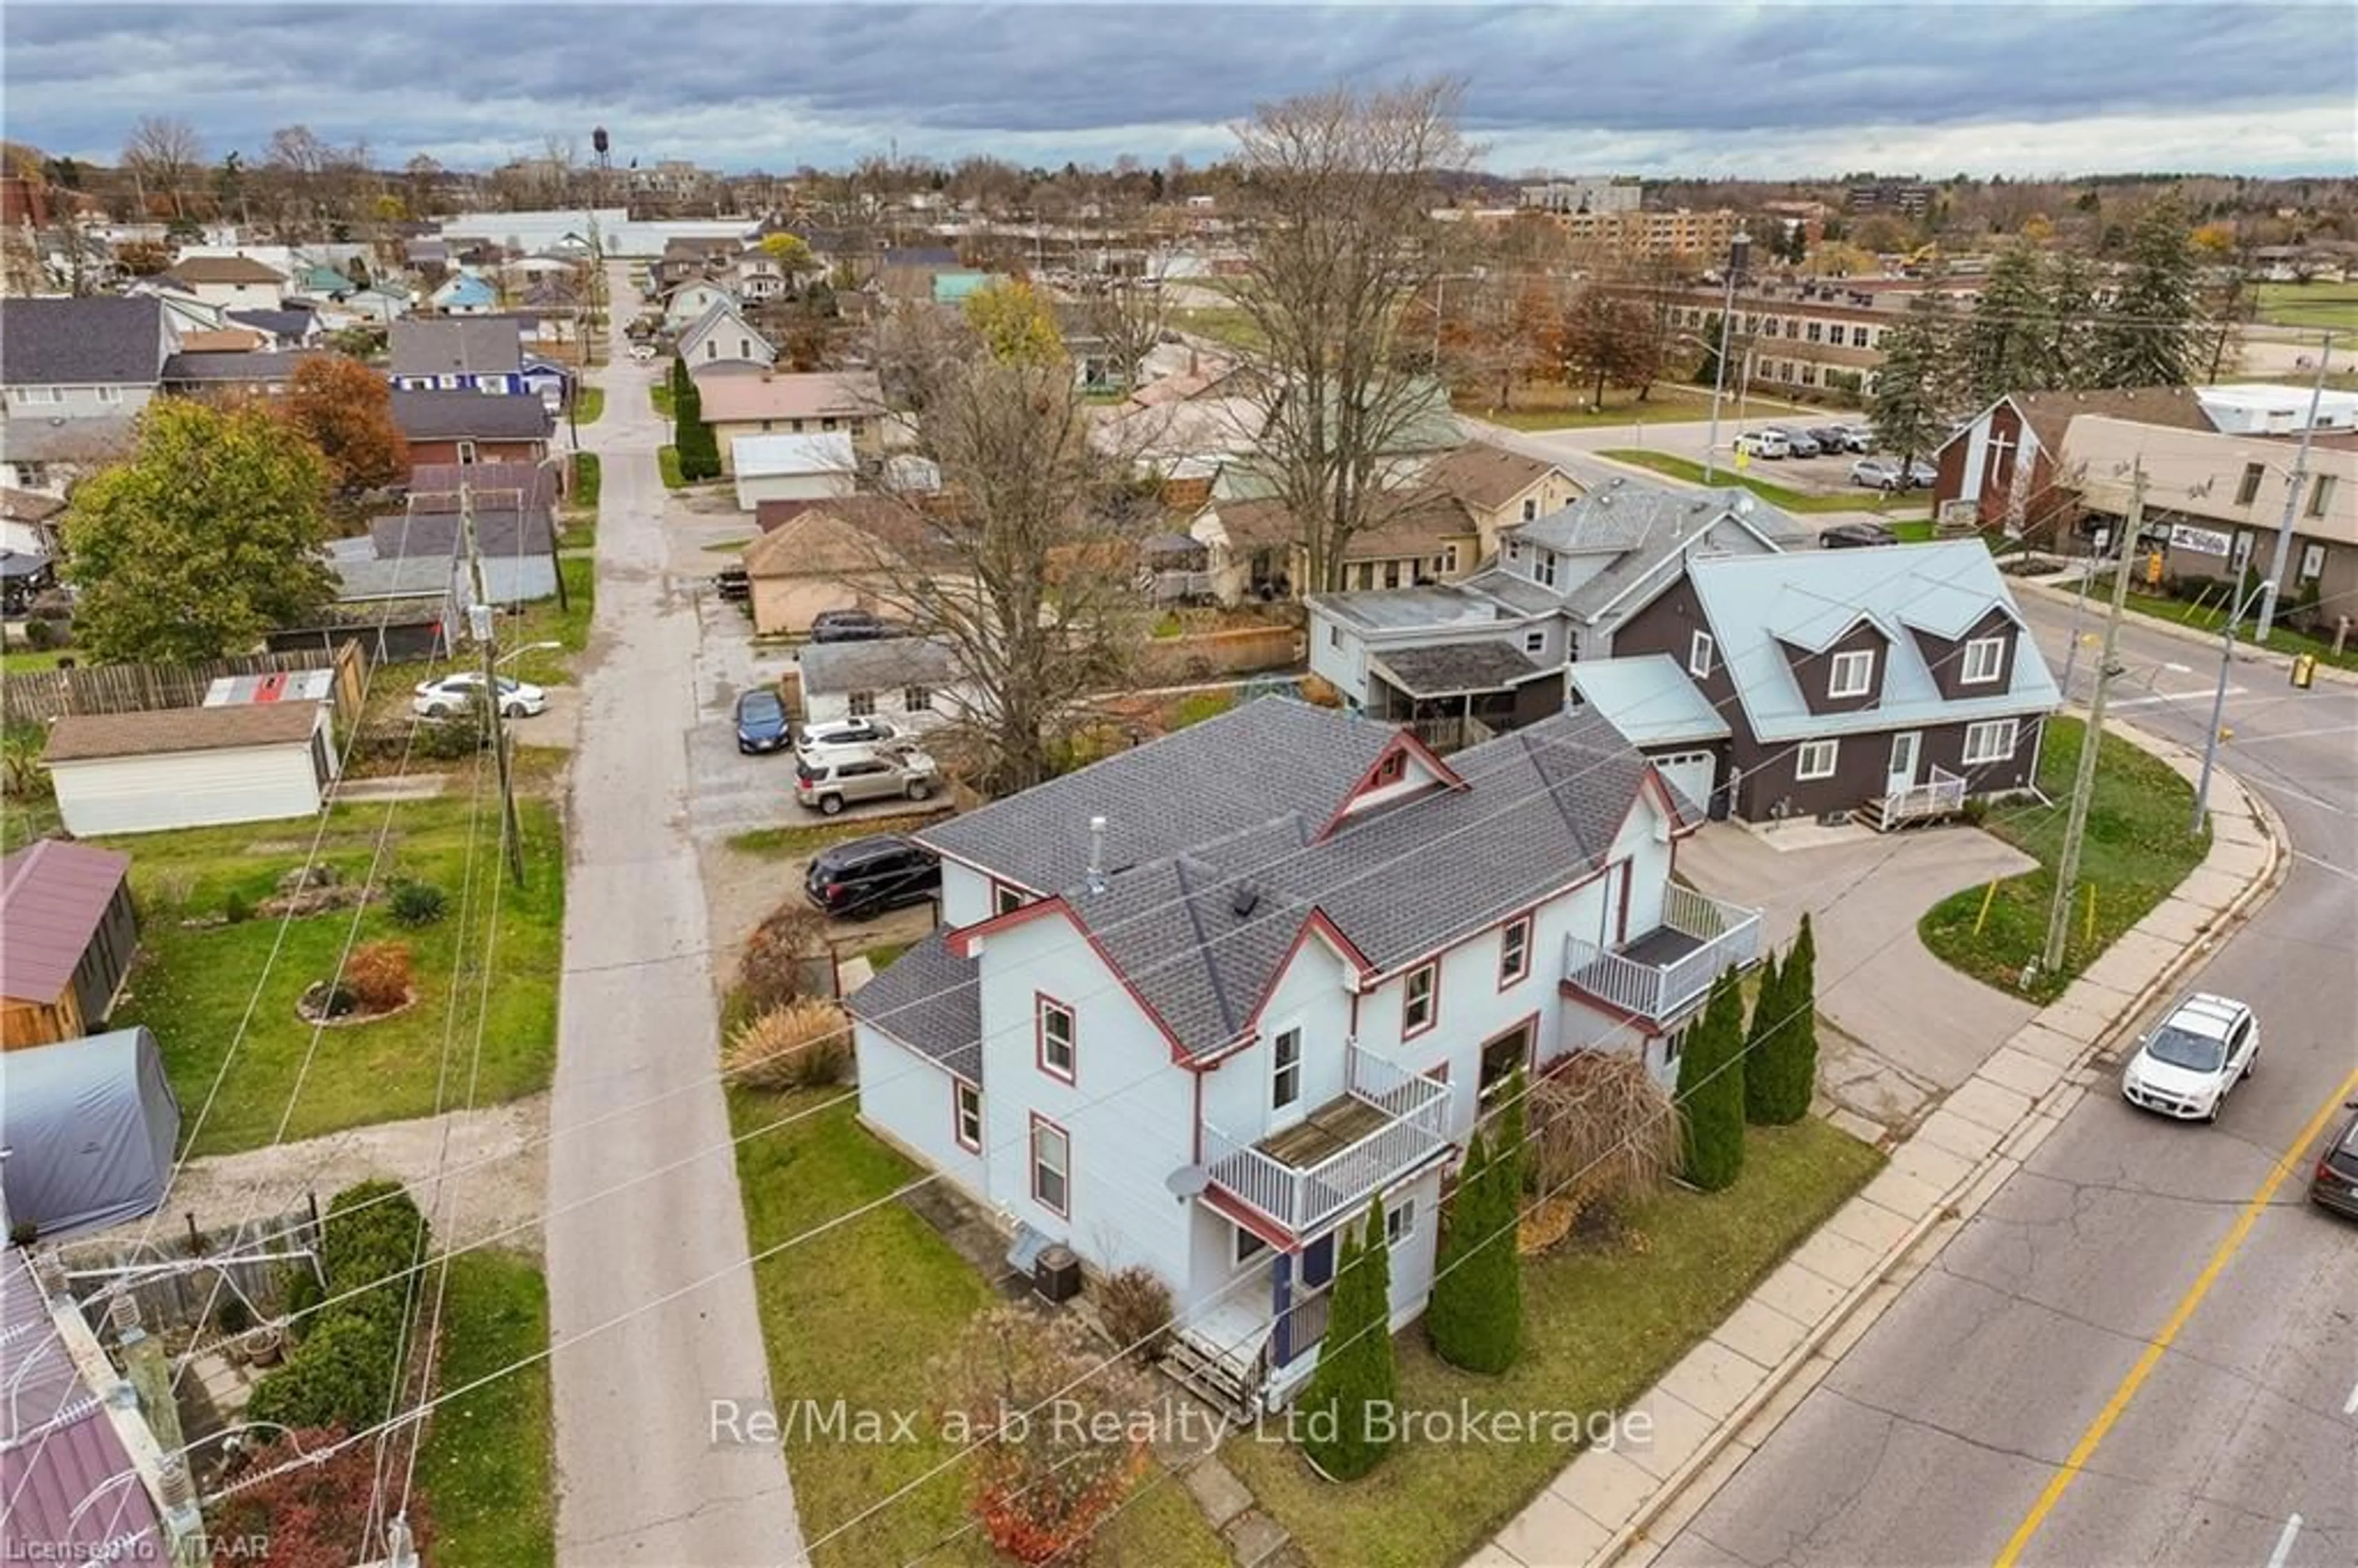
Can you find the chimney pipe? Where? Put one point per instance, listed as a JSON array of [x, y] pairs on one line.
[[1097, 854]]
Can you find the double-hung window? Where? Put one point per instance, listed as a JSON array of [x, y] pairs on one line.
[[1514, 951], [1052, 1167], [1058, 1044], [966, 1107], [1419, 1000], [1285, 1069], [1399, 1222], [1816, 759], [1984, 657], [1992, 741], [1851, 673]]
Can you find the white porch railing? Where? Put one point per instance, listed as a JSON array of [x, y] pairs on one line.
[[1304, 1199], [1942, 795], [1727, 934]]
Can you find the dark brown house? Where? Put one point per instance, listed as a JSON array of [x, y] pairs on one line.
[[1894, 683], [68, 934], [473, 427], [2006, 464]]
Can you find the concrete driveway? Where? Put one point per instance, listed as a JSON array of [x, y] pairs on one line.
[[1917, 1028]]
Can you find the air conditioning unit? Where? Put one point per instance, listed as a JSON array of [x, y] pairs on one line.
[[1056, 1276]]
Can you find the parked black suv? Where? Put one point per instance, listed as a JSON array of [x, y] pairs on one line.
[[848, 626], [869, 876]]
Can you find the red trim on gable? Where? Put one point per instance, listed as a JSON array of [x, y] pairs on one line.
[[1316, 923], [960, 943], [1403, 745]]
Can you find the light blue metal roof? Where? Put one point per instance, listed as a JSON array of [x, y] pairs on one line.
[[1649, 698], [1810, 598]]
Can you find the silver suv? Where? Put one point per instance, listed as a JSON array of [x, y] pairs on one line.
[[839, 776]]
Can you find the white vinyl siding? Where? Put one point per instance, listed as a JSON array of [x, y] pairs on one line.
[[186, 789]]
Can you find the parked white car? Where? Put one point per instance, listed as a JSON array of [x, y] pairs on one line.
[[836, 734], [443, 697], [1769, 444], [2191, 1059]]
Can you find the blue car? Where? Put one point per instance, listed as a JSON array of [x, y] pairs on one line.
[[761, 723]]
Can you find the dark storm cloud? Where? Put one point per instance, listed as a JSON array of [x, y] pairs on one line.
[[743, 84]]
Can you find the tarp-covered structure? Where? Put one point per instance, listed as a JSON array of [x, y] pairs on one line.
[[89, 1126]]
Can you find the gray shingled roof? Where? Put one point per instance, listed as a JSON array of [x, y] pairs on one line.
[[1539, 808], [1450, 669], [82, 343], [930, 1000], [265, 366], [437, 534], [296, 326], [450, 345], [889, 662], [471, 416], [1628, 514]]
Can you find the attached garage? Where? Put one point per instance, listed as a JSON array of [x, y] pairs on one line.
[[1656, 705], [1691, 774], [190, 767]]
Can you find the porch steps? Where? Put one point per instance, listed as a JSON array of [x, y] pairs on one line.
[[1214, 1374], [1878, 814]]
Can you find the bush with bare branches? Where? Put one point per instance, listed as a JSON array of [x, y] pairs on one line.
[[1602, 1129], [804, 1044], [1135, 1306], [777, 955]]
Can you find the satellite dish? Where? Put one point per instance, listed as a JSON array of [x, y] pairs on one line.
[[1187, 1181]]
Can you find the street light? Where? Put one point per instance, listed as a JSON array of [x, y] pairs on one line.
[[1739, 251], [2218, 701]]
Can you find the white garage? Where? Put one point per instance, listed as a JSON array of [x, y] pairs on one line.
[[190, 767], [1689, 773], [791, 468]]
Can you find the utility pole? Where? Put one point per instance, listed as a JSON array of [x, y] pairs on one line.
[[484, 622], [2083, 785], [2219, 707], [1738, 250], [2282, 559]]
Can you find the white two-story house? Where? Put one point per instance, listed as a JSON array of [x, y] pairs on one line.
[[1196, 1007]]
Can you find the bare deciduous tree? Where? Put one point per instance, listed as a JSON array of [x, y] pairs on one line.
[[1127, 318], [1024, 566], [163, 155], [1343, 184]]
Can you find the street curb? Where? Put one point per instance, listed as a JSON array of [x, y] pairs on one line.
[[2245, 652], [1962, 1198]]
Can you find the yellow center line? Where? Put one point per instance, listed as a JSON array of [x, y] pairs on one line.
[[2085, 1449]]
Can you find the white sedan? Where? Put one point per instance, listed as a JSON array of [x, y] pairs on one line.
[[443, 697], [2186, 1066]]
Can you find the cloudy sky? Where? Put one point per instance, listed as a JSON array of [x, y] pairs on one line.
[[1761, 90]]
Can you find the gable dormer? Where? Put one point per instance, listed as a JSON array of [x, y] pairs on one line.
[[1847, 674], [1978, 663], [1403, 771]]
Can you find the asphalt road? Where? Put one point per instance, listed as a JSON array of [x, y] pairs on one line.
[[1937, 1436], [650, 1305]]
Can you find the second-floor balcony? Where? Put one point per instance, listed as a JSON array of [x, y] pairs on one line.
[[1385, 1123], [1658, 976]]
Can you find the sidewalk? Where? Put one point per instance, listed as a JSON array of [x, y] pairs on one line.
[[1732, 1391]]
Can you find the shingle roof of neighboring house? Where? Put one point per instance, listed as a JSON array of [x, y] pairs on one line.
[[1533, 811], [28, 506], [1483, 475], [825, 538], [82, 343], [58, 1446], [771, 455], [1807, 599], [1647, 528], [929, 1000], [1649, 698], [2050, 414], [815, 396], [53, 896], [404, 577], [499, 487], [224, 269], [81, 737], [833, 669], [252, 367], [36, 441], [227, 340], [456, 345], [294, 325], [439, 534], [1417, 525], [1453, 669], [718, 312], [472, 415]]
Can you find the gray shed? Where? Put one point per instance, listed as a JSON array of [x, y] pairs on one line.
[[89, 1126]]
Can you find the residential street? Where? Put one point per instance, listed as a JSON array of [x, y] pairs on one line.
[[1936, 1436], [650, 1305]]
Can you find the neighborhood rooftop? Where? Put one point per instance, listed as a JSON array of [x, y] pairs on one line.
[[457, 345], [737, 399], [80, 737], [82, 343], [832, 668], [471, 416], [53, 894]]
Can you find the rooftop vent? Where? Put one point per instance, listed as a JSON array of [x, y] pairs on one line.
[[1097, 882], [1244, 900]]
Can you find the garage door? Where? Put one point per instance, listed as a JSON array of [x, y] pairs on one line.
[[1689, 773]]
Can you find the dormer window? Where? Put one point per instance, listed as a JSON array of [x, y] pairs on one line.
[[1390, 769], [1852, 674], [1985, 658], [1544, 568]]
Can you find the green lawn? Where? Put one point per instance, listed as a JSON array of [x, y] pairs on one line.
[[2310, 303], [881, 957], [2282, 639], [547, 621], [24, 661], [589, 403], [1551, 408], [1198, 706], [22, 820], [729, 546], [1228, 324], [2137, 850], [660, 393], [586, 480], [486, 1465], [192, 986], [1601, 1327], [858, 1314], [1880, 501], [794, 843], [667, 462]]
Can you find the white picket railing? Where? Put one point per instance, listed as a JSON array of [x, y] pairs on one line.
[[1943, 795], [1303, 1200], [1729, 933]]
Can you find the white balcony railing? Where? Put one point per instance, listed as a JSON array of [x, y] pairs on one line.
[[1655, 976], [1943, 795], [1303, 1199]]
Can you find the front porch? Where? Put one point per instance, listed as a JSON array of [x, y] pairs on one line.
[[1941, 796], [1658, 976]]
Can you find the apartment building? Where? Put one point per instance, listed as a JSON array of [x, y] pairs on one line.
[[1631, 236], [1809, 334]]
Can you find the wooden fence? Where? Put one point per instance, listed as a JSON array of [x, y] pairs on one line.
[[180, 1278], [1212, 655], [39, 696]]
